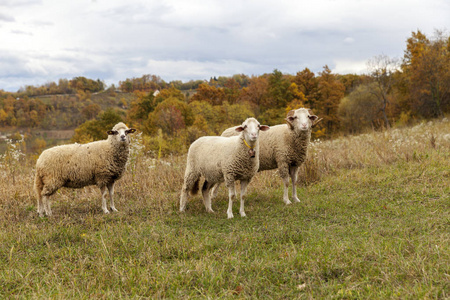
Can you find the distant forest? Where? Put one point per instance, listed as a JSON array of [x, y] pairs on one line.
[[170, 115]]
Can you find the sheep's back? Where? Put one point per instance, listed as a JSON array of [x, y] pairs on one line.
[[76, 165], [272, 146], [215, 156]]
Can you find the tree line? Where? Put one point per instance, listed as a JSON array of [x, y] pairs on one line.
[[392, 92]]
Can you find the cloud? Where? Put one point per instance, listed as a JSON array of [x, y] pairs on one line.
[[6, 18], [348, 66], [197, 39]]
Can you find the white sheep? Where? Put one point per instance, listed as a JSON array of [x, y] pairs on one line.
[[284, 147], [223, 159], [98, 163]]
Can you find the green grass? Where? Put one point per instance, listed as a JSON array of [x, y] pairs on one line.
[[373, 232]]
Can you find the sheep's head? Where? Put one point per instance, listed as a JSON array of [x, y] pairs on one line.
[[301, 119], [250, 130], [120, 133]]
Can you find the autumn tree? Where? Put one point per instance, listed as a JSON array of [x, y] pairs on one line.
[[426, 65], [211, 94], [91, 111], [232, 90], [171, 115], [331, 92], [86, 85], [255, 93], [308, 84]]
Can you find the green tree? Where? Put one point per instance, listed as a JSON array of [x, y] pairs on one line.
[[360, 109], [278, 91], [94, 130]]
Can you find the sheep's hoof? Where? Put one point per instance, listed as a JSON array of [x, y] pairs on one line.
[[114, 209], [243, 214], [230, 216], [209, 210], [296, 199], [106, 211], [287, 202]]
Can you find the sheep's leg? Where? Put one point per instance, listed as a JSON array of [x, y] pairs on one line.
[[46, 192], [183, 199], [284, 174], [231, 195], [111, 196], [40, 204], [190, 184], [286, 190], [38, 185], [207, 196], [103, 191], [293, 171], [215, 190], [46, 204], [244, 185], [40, 209]]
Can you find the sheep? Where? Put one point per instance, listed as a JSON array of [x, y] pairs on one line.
[[284, 147], [98, 163], [223, 159]]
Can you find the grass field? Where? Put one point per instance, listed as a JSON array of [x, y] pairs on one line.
[[373, 224]]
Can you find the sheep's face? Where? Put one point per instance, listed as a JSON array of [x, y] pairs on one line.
[[251, 128], [301, 119], [120, 133]]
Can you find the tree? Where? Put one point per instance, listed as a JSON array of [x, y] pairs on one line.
[[94, 130], [331, 92], [171, 115], [308, 84], [278, 91], [256, 92], [359, 109], [210, 94], [426, 65], [381, 69], [91, 111]]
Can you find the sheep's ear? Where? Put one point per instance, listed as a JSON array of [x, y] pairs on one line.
[[264, 127], [313, 117], [239, 128], [131, 130], [112, 132], [290, 118]]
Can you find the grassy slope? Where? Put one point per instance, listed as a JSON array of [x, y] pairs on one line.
[[367, 230]]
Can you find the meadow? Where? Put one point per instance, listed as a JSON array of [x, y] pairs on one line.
[[373, 223]]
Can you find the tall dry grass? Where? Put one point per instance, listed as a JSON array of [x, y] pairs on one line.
[[152, 186], [375, 149]]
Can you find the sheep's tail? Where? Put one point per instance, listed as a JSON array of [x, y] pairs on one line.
[[195, 187]]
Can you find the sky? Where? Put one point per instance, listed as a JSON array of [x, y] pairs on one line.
[[45, 40]]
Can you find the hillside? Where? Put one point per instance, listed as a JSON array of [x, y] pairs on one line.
[[373, 224]]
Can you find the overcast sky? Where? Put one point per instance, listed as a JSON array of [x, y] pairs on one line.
[[111, 40]]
